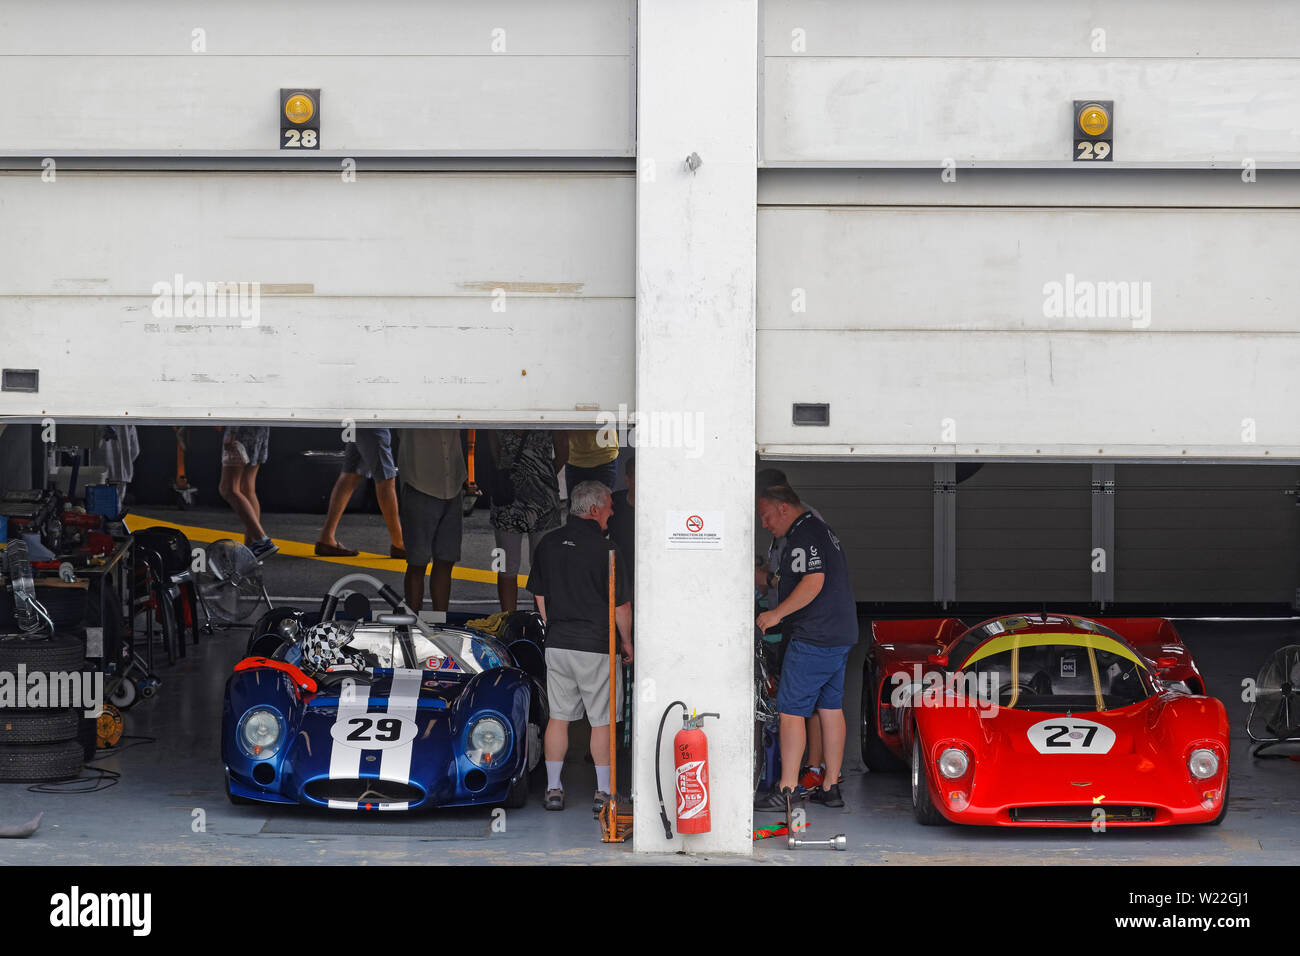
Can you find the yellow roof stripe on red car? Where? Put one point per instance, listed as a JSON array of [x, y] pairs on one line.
[[1015, 641]]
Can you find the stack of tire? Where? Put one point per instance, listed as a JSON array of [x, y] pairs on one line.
[[41, 744]]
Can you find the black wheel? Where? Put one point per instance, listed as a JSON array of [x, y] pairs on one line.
[[126, 695], [37, 726], [47, 652], [877, 757], [237, 801], [517, 798], [40, 763], [922, 806]]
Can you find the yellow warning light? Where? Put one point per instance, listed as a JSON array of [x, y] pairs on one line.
[[1093, 119], [298, 109]]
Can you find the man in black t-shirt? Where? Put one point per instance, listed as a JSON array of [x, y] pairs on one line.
[[570, 579], [817, 611]]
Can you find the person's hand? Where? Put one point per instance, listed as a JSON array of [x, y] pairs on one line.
[[767, 619], [627, 651]]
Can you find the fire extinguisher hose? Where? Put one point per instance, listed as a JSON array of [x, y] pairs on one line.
[[663, 814]]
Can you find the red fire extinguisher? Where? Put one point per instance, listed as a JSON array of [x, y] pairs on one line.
[[690, 775]]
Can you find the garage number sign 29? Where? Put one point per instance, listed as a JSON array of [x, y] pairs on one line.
[[299, 118], [1094, 131]]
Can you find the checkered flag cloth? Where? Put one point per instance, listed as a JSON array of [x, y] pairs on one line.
[[323, 646]]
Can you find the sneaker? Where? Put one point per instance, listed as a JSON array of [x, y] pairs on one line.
[[264, 548], [810, 778], [554, 800], [774, 801], [828, 798], [598, 802]]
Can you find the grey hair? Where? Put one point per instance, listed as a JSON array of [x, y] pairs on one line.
[[587, 497]]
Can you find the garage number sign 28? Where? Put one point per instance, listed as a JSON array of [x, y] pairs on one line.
[[1094, 131], [299, 119]]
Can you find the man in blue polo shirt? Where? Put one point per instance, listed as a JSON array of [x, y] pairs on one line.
[[817, 611]]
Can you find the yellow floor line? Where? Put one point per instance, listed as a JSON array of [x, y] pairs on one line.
[[297, 549]]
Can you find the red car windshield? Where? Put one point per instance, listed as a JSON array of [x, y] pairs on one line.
[[1060, 672]]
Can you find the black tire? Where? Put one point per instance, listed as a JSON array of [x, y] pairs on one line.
[[40, 763], [88, 737], [38, 726], [517, 798], [922, 806], [57, 652], [237, 801], [126, 695], [877, 757]]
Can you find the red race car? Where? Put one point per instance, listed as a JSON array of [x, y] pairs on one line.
[[1039, 720]]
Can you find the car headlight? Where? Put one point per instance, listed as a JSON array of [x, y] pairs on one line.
[[954, 763], [260, 733], [1203, 763], [488, 738]]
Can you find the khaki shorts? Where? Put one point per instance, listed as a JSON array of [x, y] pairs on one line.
[[578, 682]]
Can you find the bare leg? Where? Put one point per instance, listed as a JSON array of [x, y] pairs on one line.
[[833, 734], [249, 490], [600, 747], [555, 743], [508, 590], [344, 486], [386, 492], [815, 755], [792, 743], [231, 490], [413, 585], [440, 584]]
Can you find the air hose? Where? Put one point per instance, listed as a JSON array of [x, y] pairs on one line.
[[663, 814]]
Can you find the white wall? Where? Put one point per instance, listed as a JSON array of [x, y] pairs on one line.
[[394, 75], [695, 355], [377, 295]]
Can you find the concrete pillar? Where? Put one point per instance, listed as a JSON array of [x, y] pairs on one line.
[[696, 235]]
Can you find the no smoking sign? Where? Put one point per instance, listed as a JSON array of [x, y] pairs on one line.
[[693, 531]]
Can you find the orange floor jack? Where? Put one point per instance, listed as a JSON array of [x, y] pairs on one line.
[[615, 824]]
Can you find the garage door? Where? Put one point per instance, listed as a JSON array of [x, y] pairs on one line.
[[489, 297]]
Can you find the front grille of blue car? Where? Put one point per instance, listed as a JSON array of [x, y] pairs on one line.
[[366, 788]]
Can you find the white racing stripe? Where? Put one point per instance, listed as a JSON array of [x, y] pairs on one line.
[[403, 702], [345, 762]]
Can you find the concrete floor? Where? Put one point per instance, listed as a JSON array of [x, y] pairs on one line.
[[172, 785]]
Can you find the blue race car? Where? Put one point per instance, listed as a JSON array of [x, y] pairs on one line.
[[397, 714]]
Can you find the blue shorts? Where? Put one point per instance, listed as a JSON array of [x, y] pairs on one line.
[[812, 678]]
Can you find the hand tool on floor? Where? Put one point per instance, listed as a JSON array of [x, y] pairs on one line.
[[837, 842]]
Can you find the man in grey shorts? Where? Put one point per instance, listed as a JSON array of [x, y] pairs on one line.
[[370, 456], [570, 579], [432, 465]]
